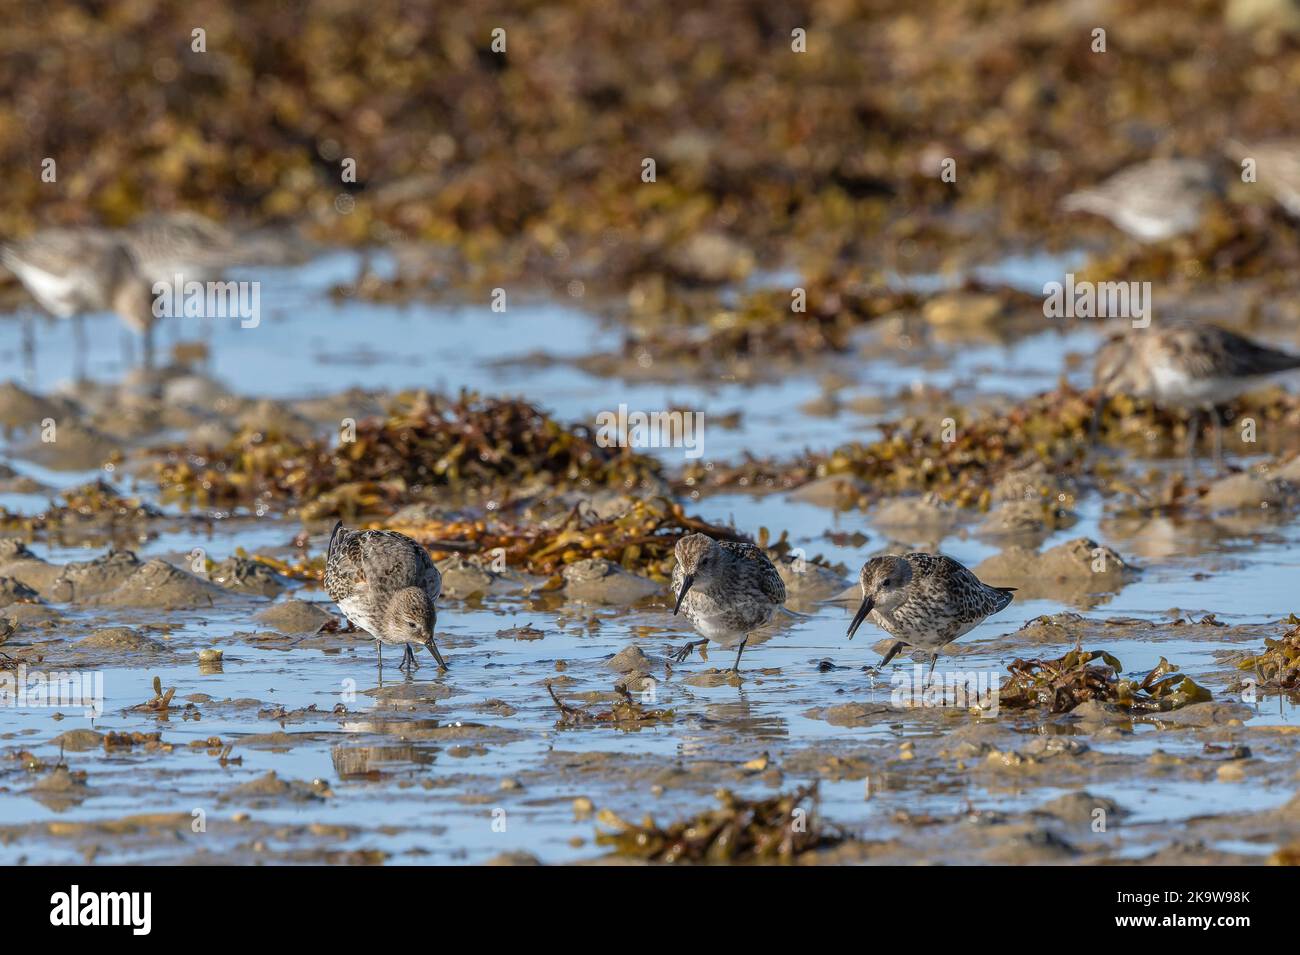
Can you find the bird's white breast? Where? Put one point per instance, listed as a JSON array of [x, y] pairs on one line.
[[58, 294], [1174, 386]]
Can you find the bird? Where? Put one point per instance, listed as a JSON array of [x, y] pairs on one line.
[[387, 585], [185, 244], [1152, 200], [727, 589], [1187, 366], [924, 601], [72, 272]]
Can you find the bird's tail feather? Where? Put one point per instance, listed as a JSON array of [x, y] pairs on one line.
[[333, 534]]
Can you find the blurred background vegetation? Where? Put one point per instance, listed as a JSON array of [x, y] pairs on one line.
[[529, 162]]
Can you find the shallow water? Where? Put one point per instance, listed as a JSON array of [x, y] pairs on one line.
[[433, 784]]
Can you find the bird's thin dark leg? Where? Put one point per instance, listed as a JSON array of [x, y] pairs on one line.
[[735, 667], [379, 651], [898, 645], [934, 658], [680, 654], [408, 659]]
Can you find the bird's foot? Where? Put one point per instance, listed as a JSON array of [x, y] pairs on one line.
[[682, 654], [408, 660]]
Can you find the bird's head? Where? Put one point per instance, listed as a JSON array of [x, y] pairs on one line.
[[130, 294], [882, 581], [1117, 367], [699, 557], [411, 615]]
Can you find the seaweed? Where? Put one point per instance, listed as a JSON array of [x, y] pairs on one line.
[[161, 702], [484, 445], [1081, 675], [813, 158], [777, 829], [1278, 666], [640, 539], [626, 713], [97, 502], [914, 455]]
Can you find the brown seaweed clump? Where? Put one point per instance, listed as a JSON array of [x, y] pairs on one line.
[[779, 829], [960, 463], [1278, 667], [1081, 675], [784, 152], [767, 324], [641, 539], [626, 713], [468, 443], [97, 503]]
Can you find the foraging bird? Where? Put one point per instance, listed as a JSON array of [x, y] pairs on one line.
[[180, 243], [1186, 366], [727, 590], [924, 601], [1153, 200], [386, 584], [73, 272]]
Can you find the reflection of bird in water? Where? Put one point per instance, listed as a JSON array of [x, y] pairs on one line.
[[1186, 366], [727, 589], [1153, 200], [924, 601], [379, 760], [75, 272], [386, 584]]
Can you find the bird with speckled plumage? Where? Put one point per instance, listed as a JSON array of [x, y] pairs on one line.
[[74, 272], [727, 589], [387, 585], [1186, 366], [1152, 200], [924, 601]]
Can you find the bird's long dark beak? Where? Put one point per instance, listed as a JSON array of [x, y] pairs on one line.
[[433, 647], [861, 615], [686, 585]]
